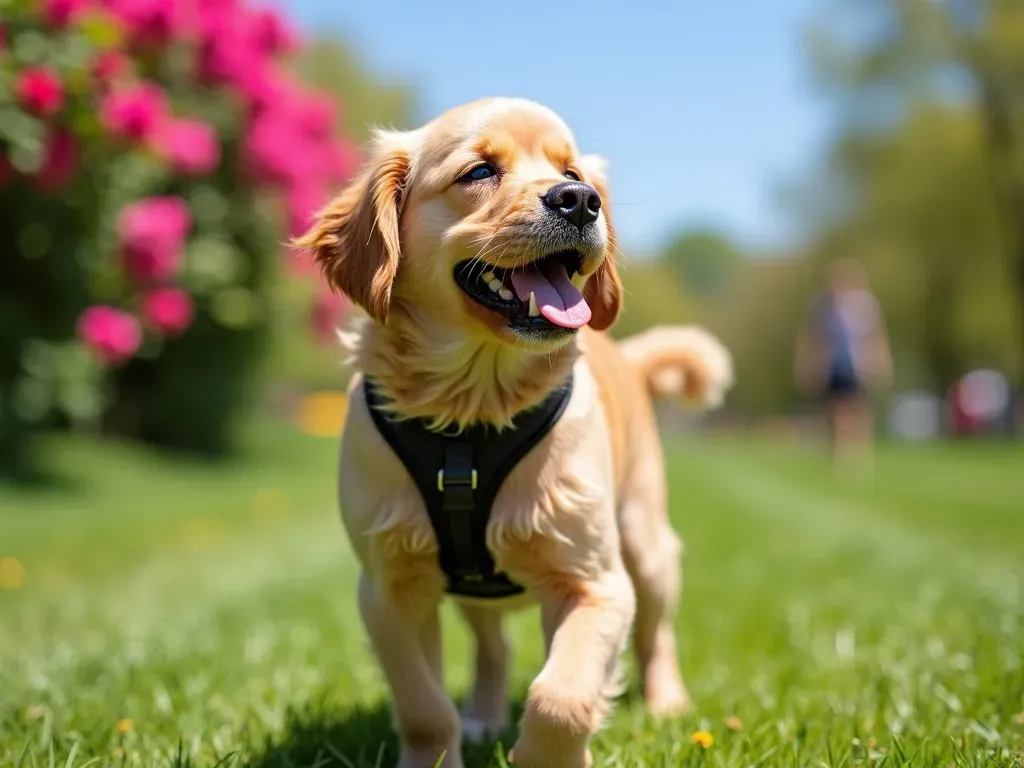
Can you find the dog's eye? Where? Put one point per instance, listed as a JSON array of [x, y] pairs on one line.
[[481, 172], [572, 175]]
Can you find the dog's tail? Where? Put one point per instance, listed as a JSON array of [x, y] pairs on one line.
[[681, 360]]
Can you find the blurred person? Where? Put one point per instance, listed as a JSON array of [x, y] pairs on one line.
[[843, 354]]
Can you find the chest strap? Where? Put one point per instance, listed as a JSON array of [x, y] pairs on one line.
[[459, 476]]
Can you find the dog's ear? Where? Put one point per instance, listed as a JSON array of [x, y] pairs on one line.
[[603, 290], [355, 239]]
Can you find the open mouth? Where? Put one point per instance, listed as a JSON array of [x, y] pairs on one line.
[[538, 296]]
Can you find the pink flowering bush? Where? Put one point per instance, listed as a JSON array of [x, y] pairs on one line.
[[154, 155]]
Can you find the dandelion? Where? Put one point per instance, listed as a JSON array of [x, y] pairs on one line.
[[12, 573], [123, 726], [322, 414], [734, 723], [703, 739]]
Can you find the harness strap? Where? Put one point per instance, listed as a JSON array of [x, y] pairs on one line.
[[459, 477]]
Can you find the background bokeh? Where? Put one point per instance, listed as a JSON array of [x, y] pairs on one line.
[[171, 391]]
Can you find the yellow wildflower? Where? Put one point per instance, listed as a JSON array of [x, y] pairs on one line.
[[322, 414], [123, 726], [12, 573], [702, 739]]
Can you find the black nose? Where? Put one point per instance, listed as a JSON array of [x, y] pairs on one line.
[[574, 201]]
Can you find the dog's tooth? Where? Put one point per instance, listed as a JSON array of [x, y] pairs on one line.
[[494, 285], [506, 294], [488, 277], [534, 309]]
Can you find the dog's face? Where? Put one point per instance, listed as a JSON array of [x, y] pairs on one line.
[[487, 219]]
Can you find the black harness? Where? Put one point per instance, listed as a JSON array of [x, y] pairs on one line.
[[459, 477]]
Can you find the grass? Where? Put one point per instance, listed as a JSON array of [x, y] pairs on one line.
[[201, 615]]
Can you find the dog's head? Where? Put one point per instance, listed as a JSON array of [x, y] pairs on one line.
[[487, 218]]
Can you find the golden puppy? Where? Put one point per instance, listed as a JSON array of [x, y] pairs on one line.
[[480, 245]]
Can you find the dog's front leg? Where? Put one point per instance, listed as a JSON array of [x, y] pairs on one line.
[[586, 624], [402, 637]]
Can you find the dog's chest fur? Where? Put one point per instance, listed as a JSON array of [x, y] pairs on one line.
[[553, 518]]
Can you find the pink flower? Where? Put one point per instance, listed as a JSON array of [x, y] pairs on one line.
[[274, 150], [325, 315], [40, 91], [167, 311], [109, 66], [226, 52], [237, 49], [60, 162], [316, 117], [153, 232], [113, 335], [191, 146], [270, 32], [153, 23], [61, 13], [134, 113]]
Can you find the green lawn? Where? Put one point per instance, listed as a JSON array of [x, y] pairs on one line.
[[174, 612]]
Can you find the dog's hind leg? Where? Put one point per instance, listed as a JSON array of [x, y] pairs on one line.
[[486, 711], [652, 552]]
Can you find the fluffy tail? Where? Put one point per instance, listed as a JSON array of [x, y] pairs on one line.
[[682, 361]]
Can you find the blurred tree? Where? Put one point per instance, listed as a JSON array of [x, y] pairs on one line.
[[703, 258], [654, 296], [928, 169]]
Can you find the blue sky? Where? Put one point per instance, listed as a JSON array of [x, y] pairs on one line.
[[701, 106]]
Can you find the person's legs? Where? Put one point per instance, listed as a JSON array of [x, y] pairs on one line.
[[853, 431]]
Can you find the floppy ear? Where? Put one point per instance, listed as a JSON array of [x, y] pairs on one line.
[[603, 290], [355, 239]]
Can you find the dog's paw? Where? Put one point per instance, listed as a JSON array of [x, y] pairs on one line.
[[667, 699], [524, 762]]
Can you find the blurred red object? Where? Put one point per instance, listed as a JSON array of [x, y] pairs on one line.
[[112, 334], [167, 311], [134, 113], [40, 91], [61, 13], [60, 163], [109, 66], [152, 23], [153, 232], [191, 146]]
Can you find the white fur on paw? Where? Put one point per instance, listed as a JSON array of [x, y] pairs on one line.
[[476, 729]]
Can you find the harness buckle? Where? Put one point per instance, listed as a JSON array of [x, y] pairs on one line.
[[457, 482]]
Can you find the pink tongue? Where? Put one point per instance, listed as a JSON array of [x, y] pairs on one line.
[[559, 301]]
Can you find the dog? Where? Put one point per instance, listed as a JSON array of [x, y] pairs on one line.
[[482, 250]]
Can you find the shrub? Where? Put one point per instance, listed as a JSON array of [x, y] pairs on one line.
[[154, 156]]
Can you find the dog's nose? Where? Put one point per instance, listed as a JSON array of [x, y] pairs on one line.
[[573, 201]]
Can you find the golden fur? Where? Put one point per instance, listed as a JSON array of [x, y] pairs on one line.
[[582, 521]]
